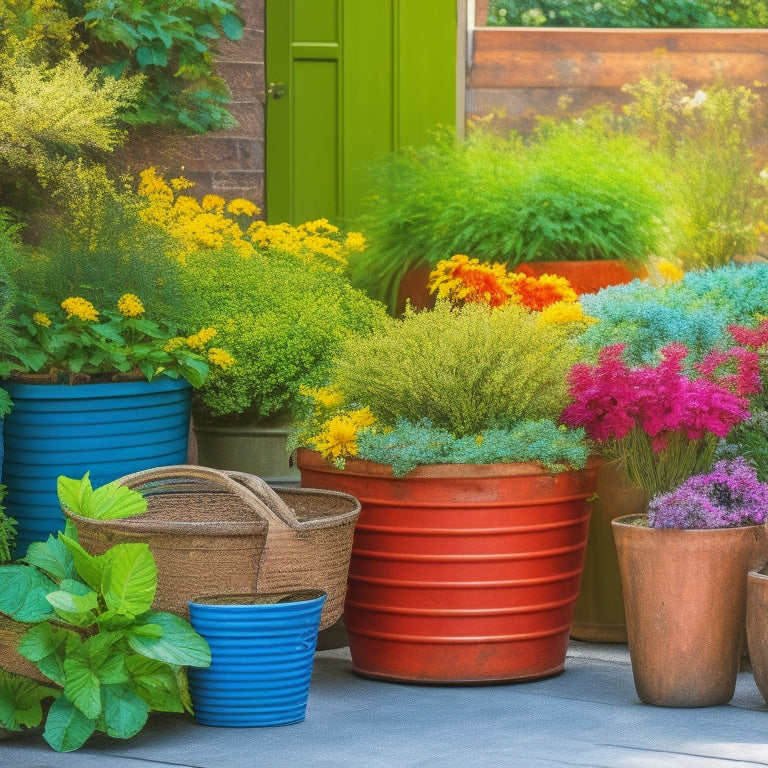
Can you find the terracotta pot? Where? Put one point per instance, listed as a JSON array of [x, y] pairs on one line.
[[599, 612], [757, 628], [685, 593], [461, 573], [586, 276]]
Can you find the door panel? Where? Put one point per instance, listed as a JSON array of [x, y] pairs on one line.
[[359, 79]]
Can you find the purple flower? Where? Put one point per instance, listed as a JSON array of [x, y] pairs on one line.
[[728, 496]]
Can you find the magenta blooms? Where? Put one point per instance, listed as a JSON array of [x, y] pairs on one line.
[[728, 496], [611, 399]]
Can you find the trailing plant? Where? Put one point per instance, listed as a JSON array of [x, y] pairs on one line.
[[569, 191], [7, 526], [443, 385], [661, 423], [110, 658], [75, 342], [728, 496]]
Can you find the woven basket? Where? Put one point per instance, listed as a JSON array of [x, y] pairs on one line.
[[309, 541], [206, 533], [214, 532], [10, 659]]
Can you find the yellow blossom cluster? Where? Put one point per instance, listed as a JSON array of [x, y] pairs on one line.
[[196, 225], [129, 305], [338, 437], [201, 338], [80, 308], [40, 318], [669, 272], [220, 358]]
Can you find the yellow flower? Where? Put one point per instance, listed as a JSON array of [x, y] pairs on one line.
[[40, 318], [355, 242], [177, 342], [79, 308], [180, 183], [130, 305], [564, 312], [362, 417], [669, 271], [239, 206], [326, 397], [212, 203], [201, 338], [338, 438], [220, 357]]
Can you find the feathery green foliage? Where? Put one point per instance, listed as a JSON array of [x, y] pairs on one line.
[[464, 370], [282, 320], [571, 191]]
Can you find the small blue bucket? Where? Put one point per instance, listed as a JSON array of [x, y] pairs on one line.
[[262, 650]]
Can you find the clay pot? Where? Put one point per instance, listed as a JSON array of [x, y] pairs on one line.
[[461, 573], [599, 613], [757, 628], [586, 276], [685, 594]]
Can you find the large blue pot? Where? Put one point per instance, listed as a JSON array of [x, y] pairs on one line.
[[261, 658], [109, 429]]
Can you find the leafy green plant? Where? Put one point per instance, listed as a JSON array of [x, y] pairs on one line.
[[93, 634], [71, 341], [281, 318], [7, 523], [172, 44], [570, 191], [628, 13]]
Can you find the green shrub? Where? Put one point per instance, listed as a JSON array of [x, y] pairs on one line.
[[572, 191], [464, 370], [628, 13], [282, 319]]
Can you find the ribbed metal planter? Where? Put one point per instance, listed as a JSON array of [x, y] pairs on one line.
[[109, 429], [461, 573], [262, 649]]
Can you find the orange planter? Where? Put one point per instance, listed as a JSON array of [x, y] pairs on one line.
[[461, 573], [585, 276]]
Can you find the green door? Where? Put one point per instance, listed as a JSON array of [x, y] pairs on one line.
[[348, 81]]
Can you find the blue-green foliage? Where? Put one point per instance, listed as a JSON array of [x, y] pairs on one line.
[[696, 311], [409, 445]]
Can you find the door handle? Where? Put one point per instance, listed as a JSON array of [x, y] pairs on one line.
[[276, 90]]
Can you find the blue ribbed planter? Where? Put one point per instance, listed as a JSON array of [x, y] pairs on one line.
[[261, 658], [109, 429]]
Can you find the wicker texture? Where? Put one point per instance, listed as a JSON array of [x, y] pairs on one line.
[[214, 532], [11, 660], [205, 531], [309, 541]]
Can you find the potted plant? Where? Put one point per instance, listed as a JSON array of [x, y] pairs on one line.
[[277, 296], [467, 555], [103, 389], [661, 424], [102, 658], [569, 191]]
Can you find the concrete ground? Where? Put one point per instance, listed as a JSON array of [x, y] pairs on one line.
[[588, 716]]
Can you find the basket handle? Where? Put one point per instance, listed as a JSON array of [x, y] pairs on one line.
[[192, 472], [274, 508]]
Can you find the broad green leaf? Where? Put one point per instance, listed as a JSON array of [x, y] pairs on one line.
[[107, 657], [58, 643], [66, 727], [23, 592], [50, 556], [179, 643], [156, 683], [232, 26], [125, 712], [114, 500], [20, 701], [39, 641], [79, 610], [89, 568], [74, 494], [147, 56], [113, 620], [82, 685], [130, 579]]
